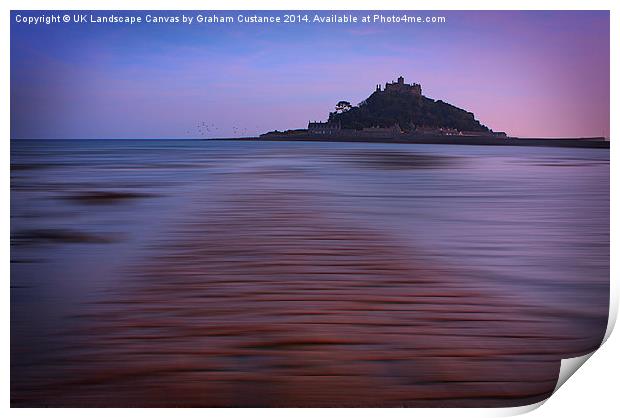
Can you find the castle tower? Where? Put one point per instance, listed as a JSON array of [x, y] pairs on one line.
[[401, 80], [416, 89]]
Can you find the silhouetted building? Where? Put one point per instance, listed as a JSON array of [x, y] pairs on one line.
[[378, 132], [401, 87], [323, 128]]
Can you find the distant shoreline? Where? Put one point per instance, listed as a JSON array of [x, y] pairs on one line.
[[444, 140], [440, 140]]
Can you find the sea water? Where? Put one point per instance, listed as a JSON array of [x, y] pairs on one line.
[[255, 273]]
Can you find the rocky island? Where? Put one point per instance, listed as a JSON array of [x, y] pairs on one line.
[[399, 112]]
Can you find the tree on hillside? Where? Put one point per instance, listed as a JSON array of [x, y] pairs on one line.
[[343, 106]]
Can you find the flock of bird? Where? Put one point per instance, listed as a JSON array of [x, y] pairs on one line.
[[206, 129]]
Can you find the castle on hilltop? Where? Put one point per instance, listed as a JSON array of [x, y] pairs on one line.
[[400, 87]]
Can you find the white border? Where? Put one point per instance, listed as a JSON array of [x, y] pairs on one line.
[[591, 392]]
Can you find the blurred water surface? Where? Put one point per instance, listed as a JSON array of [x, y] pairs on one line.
[[234, 273]]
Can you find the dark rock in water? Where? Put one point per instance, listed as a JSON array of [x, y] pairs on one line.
[[37, 236], [106, 198], [25, 166], [400, 160]]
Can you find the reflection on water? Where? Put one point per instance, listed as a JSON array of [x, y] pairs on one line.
[[204, 273]]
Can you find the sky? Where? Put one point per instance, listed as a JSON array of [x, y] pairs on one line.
[[528, 73]]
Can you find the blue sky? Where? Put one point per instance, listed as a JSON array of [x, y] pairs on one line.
[[527, 73]]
